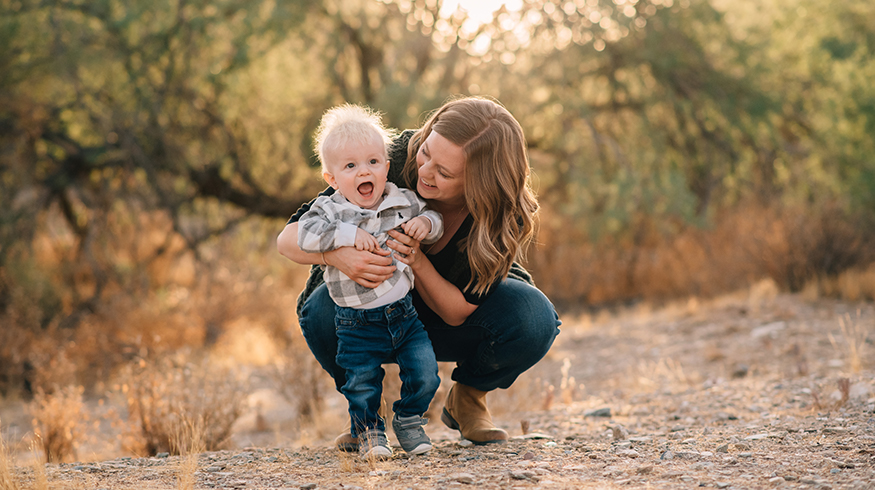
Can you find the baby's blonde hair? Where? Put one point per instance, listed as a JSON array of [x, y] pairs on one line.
[[347, 123]]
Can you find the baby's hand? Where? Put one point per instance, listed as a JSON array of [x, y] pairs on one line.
[[365, 241], [417, 228]]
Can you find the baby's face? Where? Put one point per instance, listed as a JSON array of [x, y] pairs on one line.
[[358, 170]]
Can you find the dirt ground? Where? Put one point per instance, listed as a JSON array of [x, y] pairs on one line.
[[756, 389]]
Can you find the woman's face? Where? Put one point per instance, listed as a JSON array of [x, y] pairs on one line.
[[441, 170]]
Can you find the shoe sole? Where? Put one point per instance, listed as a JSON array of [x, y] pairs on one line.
[[379, 452], [420, 449], [450, 422]]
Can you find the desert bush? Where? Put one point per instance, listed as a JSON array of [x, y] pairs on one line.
[[741, 246], [167, 397], [299, 378], [58, 422], [822, 244]]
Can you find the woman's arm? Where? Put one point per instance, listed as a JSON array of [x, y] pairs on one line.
[[369, 269], [442, 296]]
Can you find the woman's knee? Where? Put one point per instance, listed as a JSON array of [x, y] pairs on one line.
[[529, 316], [317, 314]]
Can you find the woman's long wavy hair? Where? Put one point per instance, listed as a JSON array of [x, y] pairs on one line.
[[497, 183]]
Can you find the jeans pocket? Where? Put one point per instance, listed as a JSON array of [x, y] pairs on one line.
[[346, 323]]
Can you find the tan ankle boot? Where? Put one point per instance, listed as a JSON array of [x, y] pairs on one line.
[[465, 411], [346, 442]]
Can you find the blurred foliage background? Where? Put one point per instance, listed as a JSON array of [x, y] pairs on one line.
[[150, 152]]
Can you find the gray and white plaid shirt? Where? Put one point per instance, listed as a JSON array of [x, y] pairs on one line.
[[332, 222]]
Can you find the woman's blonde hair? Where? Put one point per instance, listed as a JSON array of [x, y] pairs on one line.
[[497, 183]]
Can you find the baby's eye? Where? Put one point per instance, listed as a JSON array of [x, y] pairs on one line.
[[350, 165], [374, 161]]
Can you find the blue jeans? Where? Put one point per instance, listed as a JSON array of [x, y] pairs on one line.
[[505, 336], [369, 338]]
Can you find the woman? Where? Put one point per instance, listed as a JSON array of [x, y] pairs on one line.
[[479, 307]]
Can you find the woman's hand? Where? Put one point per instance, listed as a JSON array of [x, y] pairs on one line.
[[407, 248], [369, 269]]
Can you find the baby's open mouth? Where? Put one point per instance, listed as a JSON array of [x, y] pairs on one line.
[[366, 189]]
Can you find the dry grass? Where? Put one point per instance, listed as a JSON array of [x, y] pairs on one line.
[[8, 480], [58, 422], [40, 479], [298, 377], [169, 397], [189, 443], [853, 342]]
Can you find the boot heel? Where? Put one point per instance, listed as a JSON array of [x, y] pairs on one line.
[[448, 420]]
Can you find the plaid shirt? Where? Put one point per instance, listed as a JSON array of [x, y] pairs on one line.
[[332, 222]]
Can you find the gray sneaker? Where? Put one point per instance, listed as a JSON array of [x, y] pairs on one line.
[[411, 435], [373, 444]]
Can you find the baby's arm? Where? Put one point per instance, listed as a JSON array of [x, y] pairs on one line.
[[321, 230]]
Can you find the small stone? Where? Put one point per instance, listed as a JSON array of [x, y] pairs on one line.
[[523, 475], [529, 456], [629, 453], [308, 486], [667, 455], [644, 470], [619, 432], [465, 478], [599, 412], [162, 455]]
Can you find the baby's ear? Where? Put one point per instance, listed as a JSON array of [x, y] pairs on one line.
[[330, 179]]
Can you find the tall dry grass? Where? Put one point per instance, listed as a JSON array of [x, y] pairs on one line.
[[8, 478], [189, 442], [169, 396], [59, 422], [854, 340]]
